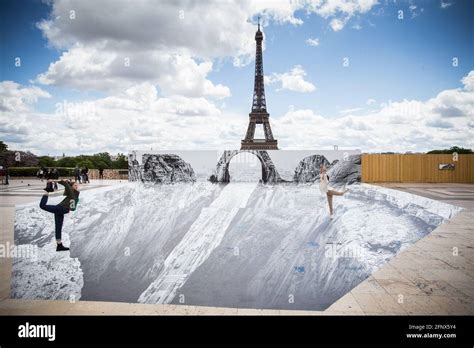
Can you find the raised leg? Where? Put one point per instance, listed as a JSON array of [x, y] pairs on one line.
[[336, 193], [44, 206]]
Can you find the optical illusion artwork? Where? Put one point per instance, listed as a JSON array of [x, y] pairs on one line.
[[186, 231]]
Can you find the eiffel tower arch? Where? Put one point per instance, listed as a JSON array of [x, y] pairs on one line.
[[270, 174], [259, 114]]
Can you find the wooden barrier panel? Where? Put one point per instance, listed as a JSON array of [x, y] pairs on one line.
[[416, 168], [114, 174]]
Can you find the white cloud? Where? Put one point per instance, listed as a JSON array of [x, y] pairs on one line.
[[92, 68], [292, 80], [340, 11], [350, 111], [407, 125], [415, 10], [370, 101], [337, 24], [438, 123], [204, 29], [328, 8], [16, 103], [313, 42], [135, 118], [277, 11], [139, 118], [468, 81], [16, 98], [444, 4], [169, 44]]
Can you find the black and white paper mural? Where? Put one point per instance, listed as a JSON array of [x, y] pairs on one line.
[[240, 244], [87, 83], [271, 166]]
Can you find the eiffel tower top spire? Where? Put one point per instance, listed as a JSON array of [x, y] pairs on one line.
[[259, 103]]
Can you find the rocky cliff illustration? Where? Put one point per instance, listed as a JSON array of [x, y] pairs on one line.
[[275, 166], [346, 171], [162, 169], [339, 171], [269, 172], [308, 168]]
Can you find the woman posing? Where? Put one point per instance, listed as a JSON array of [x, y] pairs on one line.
[[326, 189], [69, 203]]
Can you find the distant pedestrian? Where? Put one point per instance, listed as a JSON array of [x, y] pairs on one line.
[[41, 173], [101, 173], [77, 174], [55, 176], [85, 176]]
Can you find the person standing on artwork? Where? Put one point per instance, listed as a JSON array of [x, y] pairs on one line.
[[77, 174], [85, 175], [68, 204], [55, 177], [47, 174], [326, 189], [41, 174]]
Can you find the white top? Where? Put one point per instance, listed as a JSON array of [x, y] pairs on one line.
[[324, 184]]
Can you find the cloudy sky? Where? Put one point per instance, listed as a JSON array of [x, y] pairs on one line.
[[114, 75]]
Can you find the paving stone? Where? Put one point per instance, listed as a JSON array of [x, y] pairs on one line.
[[455, 305], [369, 286], [347, 304], [388, 304], [368, 304], [420, 305]]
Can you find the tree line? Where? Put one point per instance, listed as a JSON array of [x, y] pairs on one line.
[[102, 160]]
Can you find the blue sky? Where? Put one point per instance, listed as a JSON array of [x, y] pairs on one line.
[[393, 59], [390, 60]]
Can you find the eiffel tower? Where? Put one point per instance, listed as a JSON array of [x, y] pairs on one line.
[[259, 114]]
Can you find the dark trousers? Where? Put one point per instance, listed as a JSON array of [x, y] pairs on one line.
[[58, 211]]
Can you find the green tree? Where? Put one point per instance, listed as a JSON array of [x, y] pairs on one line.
[[68, 162], [121, 162], [457, 149], [86, 163], [46, 161], [101, 165], [105, 158]]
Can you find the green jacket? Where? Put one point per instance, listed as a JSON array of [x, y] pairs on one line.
[[72, 196]]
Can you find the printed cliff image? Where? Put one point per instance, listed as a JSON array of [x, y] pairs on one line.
[[269, 172], [162, 169], [344, 171]]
